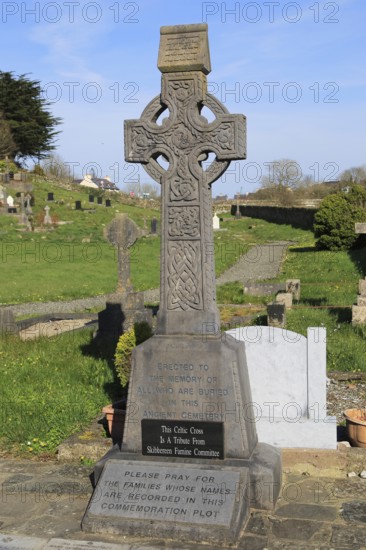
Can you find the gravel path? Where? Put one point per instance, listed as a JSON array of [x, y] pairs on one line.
[[260, 262]]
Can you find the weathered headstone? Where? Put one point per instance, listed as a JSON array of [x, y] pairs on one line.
[[154, 226], [23, 218], [293, 286], [10, 201], [108, 203], [47, 218], [124, 307], [28, 207], [7, 321], [284, 298], [122, 233], [262, 289], [276, 315], [50, 197], [215, 222], [189, 432], [77, 205], [91, 198], [100, 200]]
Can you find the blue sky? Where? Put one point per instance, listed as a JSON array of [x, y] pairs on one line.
[[295, 69]]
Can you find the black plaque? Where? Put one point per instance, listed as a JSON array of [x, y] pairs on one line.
[[182, 439]]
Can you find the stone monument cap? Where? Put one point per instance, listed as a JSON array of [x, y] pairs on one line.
[[184, 48]]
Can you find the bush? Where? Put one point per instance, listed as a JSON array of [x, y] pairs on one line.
[[127, 342], [334, 222]]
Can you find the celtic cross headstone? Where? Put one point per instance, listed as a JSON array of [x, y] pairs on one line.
[[123, 233], [184, 139], [189, 417]]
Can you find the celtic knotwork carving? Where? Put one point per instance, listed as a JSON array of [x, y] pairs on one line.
[[184, 281], [183, 221], [183, 189], [184, 134], [185, 138]]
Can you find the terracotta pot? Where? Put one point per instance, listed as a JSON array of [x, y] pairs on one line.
[[115, 414], [356, 426]]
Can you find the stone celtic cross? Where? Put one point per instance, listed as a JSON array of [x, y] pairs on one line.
[[184, 139], [123, 233]]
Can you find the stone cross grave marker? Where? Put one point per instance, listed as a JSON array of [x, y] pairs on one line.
[[189, 398], [47, 218], [123, 233], [184, 139]]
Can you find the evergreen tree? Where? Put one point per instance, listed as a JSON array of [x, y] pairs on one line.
[[25, 112], [7, 144]]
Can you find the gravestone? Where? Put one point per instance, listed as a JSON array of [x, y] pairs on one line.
[[284, 298], [276, 315], [7, 321], [215, 222], [124, 307], [108, 203], [47, 218], [293, 286], [262, 289], [10, 201], [28, 207], [100, 200], [50, 197], [77, 205], [190, 466], [23, 218], [91, 198], [291, 411], [154, 226]]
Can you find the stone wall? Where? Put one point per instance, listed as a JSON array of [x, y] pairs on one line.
[[297, 217]]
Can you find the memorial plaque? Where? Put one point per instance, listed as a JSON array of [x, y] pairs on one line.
[[182, 439], [160, 495]]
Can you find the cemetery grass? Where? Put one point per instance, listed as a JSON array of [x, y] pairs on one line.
[[74, 260], [51, 388], [329, 286], [67, 261]]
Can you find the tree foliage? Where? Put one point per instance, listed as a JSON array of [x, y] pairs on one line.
[[334, 223], [25, 113], [7, 144]]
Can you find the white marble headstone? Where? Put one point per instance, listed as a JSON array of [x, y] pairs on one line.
[[216, 222], [287, 374]]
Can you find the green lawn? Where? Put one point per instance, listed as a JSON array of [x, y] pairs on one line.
[[329, 286], [50, 388]]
